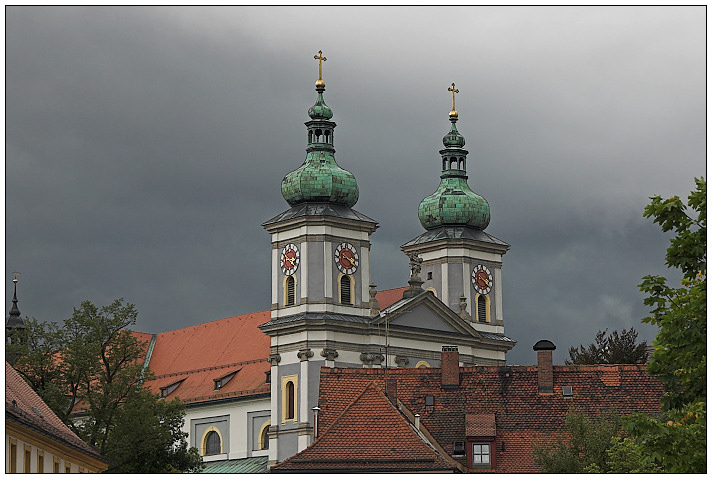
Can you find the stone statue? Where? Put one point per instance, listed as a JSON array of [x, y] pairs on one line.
[[415, 262]]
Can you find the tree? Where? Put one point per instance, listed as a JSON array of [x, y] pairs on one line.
[[678, 440], [583, 447], [612, 349], [90, 372], [148, 438]]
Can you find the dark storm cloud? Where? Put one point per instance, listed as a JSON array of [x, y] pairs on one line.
[[145, 147]]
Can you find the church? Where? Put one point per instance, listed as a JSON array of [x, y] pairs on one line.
[[251, 382]]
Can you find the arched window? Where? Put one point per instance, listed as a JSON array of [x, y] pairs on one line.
[[290, 387], [212, 443], [318, 136], [444, 164], [482, 308], [290, 291], [326, 136], [310, 136], [453, 163], [264, 438], [345, 289], [461, 164], [290, 400]]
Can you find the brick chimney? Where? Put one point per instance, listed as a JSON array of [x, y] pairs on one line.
[[545, 367], [392, 390], [450, 367]]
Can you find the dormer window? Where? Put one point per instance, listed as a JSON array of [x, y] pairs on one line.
[[220, 382], [167, 390], [458, 448]]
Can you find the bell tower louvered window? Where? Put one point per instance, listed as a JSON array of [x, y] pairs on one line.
[[481, 309], [290, 291], [345, 288]]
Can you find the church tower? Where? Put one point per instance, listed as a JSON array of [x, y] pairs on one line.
[[320, 246], [462, 264], [320, 281]]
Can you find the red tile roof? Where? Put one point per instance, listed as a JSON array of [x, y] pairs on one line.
[[24, 406], [507, 393], [357, 441], [481, 425], [389, 296], [200, 354]]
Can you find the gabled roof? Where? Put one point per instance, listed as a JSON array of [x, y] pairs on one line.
[[356, 441], [197, 355], [23, 406], [452, 321], [508, 394]]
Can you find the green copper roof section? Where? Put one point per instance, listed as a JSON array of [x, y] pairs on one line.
[[454, 203], [320, 179], [320, 110]]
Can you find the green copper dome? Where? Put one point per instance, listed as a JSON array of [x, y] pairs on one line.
[[320, 179], [320, 110], [454, 203]]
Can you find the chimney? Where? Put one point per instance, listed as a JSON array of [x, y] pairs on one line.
[[392, 390], [545, 367], [450, 367], [417, 422]]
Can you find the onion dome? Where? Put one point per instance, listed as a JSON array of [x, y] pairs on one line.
[[454, 203], [320, 110], [320, 179]]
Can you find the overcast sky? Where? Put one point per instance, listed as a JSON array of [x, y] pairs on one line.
[[146, 146]]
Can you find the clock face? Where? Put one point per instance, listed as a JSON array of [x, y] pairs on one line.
[[346, 258], [289, 260], [482, 279]]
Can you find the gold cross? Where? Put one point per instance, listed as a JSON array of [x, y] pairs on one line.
[[452, 89], [320, 58]]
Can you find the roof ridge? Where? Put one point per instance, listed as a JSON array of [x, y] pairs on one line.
[[195, 326], [211, 368]]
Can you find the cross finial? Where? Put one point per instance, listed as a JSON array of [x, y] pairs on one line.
[[320, 58], [453, 90]]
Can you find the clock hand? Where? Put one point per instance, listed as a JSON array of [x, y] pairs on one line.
[[291, 260]]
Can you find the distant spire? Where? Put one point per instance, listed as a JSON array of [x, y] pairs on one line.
[[14, 320]]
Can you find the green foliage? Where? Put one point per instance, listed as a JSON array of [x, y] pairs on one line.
[[584, 446], [679, 360], [677, 442], [612, 349], [90, 372], [147, 438], [625, 456]]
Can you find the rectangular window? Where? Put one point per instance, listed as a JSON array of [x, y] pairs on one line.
[[429, 400], [67, 467], [28, 460], [40, 461], [481, 454], [55, 468]]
